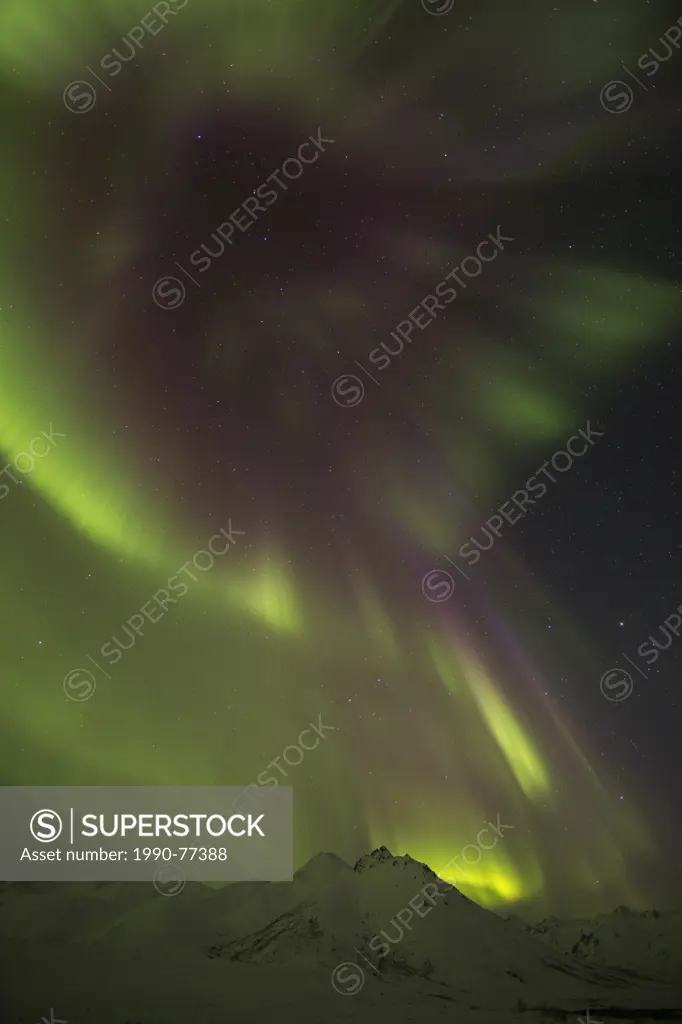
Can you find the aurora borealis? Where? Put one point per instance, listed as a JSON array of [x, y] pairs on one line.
[[178, 422]]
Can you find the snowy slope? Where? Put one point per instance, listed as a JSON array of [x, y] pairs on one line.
[[124, 954], [646, 940]]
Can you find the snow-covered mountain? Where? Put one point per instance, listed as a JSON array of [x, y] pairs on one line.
[[645, 940], [388, 933]]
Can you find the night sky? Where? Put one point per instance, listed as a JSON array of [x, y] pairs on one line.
[[445, 124]]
